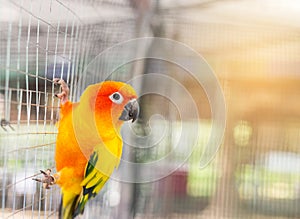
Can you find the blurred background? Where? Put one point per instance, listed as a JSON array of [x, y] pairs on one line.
[[253, 46]]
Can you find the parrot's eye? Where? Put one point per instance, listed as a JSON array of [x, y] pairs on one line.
[[116, 98]]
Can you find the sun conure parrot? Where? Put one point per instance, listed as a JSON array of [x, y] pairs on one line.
[[89, 144]]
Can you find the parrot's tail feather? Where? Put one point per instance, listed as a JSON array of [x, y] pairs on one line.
[[66, 210], [86, 195], [80, 205]]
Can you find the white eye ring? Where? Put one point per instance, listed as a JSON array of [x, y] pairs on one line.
[[116, 98]]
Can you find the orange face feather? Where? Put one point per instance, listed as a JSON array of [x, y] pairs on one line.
[[107, 109]]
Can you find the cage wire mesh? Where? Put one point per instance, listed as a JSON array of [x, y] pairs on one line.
[[37, 45], [46, 39]]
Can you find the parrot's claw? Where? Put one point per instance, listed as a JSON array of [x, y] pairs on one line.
[[63, 95], [47, 180]]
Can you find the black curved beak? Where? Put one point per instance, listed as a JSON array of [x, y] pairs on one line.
[[130, 111]]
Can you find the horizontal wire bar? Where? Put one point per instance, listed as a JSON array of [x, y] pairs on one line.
[[20, 210], [41, 106], [27, 73], [20, 89], [25, 122], [32, 147], [34, 104], [31, 133]]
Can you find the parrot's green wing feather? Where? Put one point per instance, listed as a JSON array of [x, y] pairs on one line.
[[93, 180], [97, 172]]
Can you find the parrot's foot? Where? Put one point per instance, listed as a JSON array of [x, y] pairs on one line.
[[63, 95], [48, 179]]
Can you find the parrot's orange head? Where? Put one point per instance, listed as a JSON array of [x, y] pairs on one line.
[[115, 101]]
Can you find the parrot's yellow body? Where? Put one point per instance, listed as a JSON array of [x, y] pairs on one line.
[[89, 144]]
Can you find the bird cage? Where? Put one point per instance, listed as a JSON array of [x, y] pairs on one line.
[[42, 40]]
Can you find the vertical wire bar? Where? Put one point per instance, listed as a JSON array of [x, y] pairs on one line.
[[46, 74], [37, 102], [46, 96], [19, 53], [74, 65], [50, 204], [82, 61], [4, 175], [7, 92], [64, 51], [27, 58], [57, 109], [54, 67], [9, 103], [28, 105], [19, 92], [46, 59], [37, 73], [56, 48], [51, 116], [45, 205], [70, 52], [84, 58], [7, 70], [17, 152], [28, 97], [79, 61], [6, 102]]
